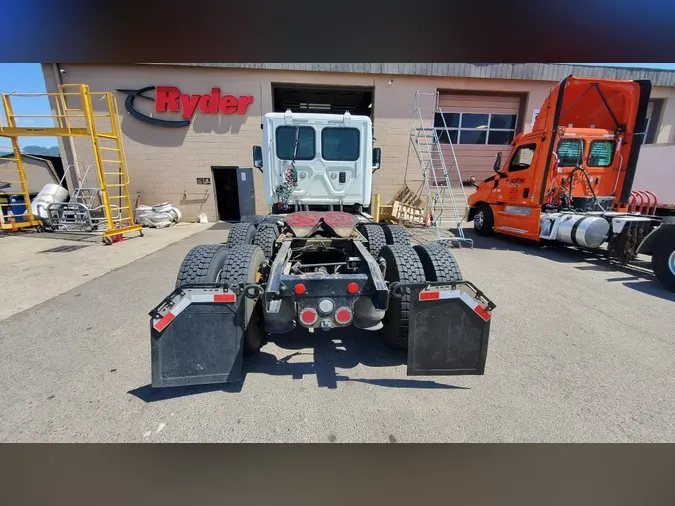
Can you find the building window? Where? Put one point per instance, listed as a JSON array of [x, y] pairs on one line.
[[340, 144], [476, 128], [601, 153], [654, 111], [570, 152], [286, 136]]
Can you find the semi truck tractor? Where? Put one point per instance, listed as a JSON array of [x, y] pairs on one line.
[[317, 262], [570, 180]]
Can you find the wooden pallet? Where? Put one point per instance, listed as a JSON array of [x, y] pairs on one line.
[[402, 213], [406, 196]]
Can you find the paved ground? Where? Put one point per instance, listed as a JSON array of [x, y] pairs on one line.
[[579, 352], [38, 266]]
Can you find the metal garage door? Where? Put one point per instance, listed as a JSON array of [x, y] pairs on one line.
[[480, 126]]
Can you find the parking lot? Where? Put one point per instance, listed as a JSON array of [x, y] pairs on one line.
[[579, 351]]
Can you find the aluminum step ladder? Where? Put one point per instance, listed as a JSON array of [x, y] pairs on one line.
[[440, 177]]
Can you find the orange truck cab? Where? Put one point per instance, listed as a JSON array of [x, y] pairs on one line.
[[570, 179]]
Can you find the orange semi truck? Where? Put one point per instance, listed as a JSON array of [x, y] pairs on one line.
[[570, 180]]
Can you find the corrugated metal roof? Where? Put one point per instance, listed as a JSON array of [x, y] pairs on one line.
[[527, 71]]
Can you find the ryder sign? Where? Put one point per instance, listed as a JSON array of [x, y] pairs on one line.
[[170, 99]]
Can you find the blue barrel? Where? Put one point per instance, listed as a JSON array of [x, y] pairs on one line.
[[18, 207]]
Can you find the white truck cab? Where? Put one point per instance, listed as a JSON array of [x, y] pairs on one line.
[[317, 161]]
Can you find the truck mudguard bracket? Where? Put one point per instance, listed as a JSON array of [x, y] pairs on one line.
[[381, 299], [449, 328], [196, 336]]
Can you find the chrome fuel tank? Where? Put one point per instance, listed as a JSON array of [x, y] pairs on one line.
[[582, 230]]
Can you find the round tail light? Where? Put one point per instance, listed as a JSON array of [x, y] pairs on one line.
[[299, 289], [308, 316], [352, 288], [343, 315]]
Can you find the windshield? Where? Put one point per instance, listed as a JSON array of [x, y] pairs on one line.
[[570, 152], [601, 153], [285, 138]]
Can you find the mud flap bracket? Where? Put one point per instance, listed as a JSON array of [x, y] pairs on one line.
[[196, 337]]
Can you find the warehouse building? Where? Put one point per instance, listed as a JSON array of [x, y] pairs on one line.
[[189, 129]]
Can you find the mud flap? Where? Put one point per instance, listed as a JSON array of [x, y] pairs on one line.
[[449, 329], [196, 337]]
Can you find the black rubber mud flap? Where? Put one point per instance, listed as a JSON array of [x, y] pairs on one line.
[[448, 331], [196, 337]]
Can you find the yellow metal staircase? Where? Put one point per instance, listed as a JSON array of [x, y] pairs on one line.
[[103, 131]]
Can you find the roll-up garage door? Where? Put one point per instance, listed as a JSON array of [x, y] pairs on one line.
[[479, 126]]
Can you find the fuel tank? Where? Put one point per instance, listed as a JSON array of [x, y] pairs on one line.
[[582, 230]]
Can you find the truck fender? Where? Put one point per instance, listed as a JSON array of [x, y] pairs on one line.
[[666, 229], [471, 210]]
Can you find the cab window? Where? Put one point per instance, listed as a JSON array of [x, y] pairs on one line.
[[601, 153], [570, 152], [340, 144], [522, 158], [286, 136]]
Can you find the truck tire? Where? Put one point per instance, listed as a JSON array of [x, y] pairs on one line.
[[266, 237], [243, 266], [395, 234], [483, 220], [241, 233], [375, 237], [404, 265], [663, 261], [202, 264], [438, 262]]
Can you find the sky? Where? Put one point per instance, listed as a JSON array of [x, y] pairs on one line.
[[27, 78]]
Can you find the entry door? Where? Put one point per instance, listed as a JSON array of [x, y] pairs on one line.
[[514, 212], [246, 192]]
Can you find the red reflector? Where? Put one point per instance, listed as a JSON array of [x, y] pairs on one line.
[[430, 295], [161, 324], [482, 313], [352, 287], [225, 297], [308, 316], [343, 315], [299, 289]]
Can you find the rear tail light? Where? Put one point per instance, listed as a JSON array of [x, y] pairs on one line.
[[343, 315], [299, 289], [308, 316], [352, 288]]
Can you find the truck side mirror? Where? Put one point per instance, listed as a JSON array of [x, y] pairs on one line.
[[498, 162], [257, 157], [377, 155]]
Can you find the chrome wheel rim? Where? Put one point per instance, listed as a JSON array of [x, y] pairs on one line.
[[478, 220]]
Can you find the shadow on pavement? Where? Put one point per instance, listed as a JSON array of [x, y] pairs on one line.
[[638, 274], [338, 349]]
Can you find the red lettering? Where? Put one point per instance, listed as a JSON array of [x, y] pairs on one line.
[[167, 96], [209, 103], [244, 102], [189, 103], [228, 104]]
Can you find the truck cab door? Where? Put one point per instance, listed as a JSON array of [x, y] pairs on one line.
[[512, 204]]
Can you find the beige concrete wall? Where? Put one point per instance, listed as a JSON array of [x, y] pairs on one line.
[[165, 162]]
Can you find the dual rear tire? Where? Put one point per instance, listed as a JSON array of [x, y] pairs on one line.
[[216, 263], [412, 264]]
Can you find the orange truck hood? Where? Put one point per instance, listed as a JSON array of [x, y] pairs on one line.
[[578, 102]]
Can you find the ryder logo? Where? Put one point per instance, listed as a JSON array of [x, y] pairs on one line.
[[170, 99]]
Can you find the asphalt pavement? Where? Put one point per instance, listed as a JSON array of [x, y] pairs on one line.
[[579, 351]]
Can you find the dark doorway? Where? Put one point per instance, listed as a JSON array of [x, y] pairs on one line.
[[323, 99], [226, 188]]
